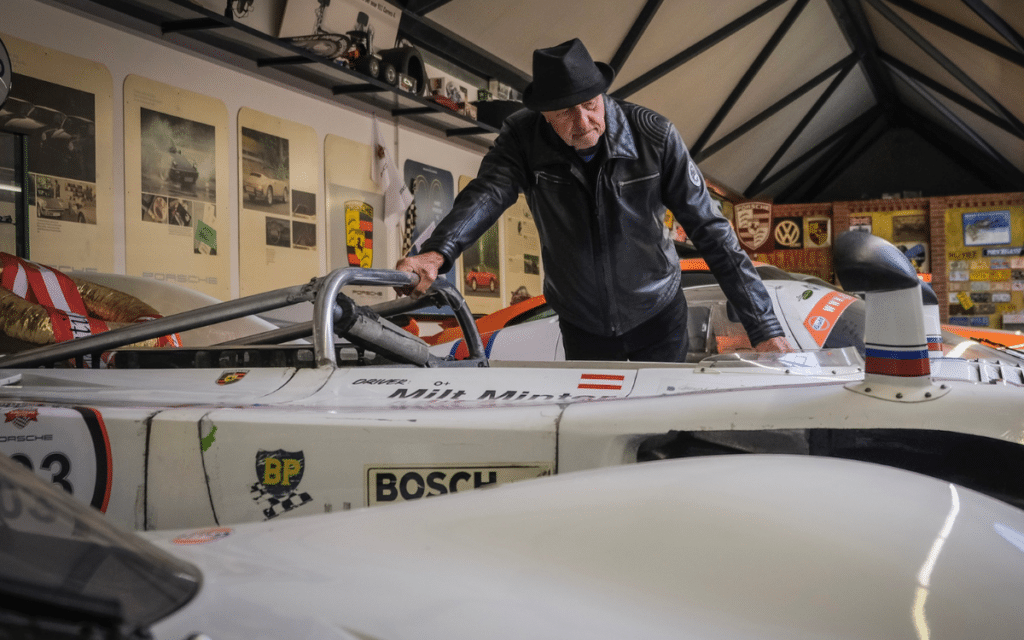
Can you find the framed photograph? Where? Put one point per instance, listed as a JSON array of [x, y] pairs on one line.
[[986, 228]]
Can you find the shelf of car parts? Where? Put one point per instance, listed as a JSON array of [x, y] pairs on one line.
[[188, 24]]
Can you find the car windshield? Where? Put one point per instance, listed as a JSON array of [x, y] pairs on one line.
[[60, 560], [714, 327]]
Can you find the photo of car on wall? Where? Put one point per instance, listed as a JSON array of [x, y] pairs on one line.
[[480, 278], [177, 156], [265, 171]]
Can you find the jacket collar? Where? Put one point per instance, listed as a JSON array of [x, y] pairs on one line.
[[618, 137], [617, 133]]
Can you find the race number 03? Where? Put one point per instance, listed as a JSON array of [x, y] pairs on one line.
[[67, 446], [59, 476]]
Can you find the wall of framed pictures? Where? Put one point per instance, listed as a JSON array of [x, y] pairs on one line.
[[220, 122]]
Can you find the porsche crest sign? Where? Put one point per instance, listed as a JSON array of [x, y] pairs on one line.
[[753, 223]]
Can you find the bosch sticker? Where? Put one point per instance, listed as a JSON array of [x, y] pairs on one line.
[[387, 484], [822, 318]]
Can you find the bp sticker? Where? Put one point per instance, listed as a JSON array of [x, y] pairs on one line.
[[66, 446]]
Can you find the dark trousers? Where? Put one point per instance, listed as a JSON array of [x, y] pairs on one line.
[[663, 338]]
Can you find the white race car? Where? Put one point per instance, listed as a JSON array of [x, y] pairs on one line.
[[253, 429], [767, 547], [813, 313]]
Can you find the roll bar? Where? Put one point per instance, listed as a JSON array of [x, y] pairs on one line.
[[331, 309]]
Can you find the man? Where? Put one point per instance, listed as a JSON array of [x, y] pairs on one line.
[[598, 174]]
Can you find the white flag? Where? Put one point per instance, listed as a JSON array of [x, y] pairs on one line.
[[385, 174]]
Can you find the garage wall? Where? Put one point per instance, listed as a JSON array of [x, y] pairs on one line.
[[125, 54]]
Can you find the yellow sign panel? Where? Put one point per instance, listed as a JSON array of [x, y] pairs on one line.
[[965, 300]]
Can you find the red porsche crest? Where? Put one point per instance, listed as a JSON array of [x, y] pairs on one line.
[[21, 417], [753, 223]]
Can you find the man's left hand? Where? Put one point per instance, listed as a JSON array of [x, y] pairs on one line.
[[778, 344]]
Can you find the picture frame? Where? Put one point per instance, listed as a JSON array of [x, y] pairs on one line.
[[982, 228]]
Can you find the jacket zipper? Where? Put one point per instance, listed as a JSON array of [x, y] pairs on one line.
[[625, 183], [548, 176], [609, 277]]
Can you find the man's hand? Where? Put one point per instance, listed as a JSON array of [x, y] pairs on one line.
[[425, 265], [778, 344]]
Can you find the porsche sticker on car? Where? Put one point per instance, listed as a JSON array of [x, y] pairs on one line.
[[21, 417], [387, 484], [230, 377]]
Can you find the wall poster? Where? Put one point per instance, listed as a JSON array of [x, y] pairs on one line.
[[63, 105], [278, 224], [908, 229], [482, 276], [985, 262], [433, 192], [357, 236], [176, 218], [523, 271], [911, 233]]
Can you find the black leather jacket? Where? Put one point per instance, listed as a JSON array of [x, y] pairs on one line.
[[608, 266]]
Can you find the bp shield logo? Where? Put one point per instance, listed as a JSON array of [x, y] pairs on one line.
[[280, 472]]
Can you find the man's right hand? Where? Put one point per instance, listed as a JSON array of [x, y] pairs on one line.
[[425, 265]]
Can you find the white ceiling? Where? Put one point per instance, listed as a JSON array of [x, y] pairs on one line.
[[945, 41]]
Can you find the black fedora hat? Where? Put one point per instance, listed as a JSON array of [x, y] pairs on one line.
[[565, 75]]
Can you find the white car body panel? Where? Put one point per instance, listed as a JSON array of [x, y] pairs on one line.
[[728, 547], [351, 421], [182, 445]]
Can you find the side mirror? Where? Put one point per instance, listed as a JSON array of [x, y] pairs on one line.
[[5, 74]]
